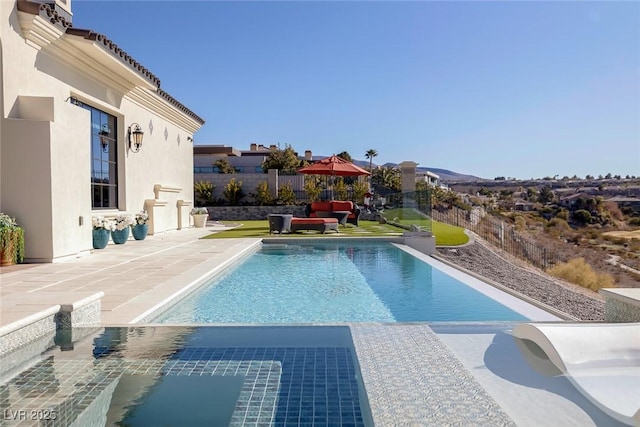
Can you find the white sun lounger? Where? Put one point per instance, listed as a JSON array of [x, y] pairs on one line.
[[601, 360]]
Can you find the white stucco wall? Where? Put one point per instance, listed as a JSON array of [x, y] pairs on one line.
[[45, 156]]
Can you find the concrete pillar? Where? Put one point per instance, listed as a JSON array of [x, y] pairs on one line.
[[273, 182], [408, 176]]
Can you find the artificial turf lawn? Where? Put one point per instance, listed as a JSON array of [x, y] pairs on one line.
[[446, 235]]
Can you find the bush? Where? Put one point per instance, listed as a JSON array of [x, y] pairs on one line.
[[204, 193], [233, 192], [559, 224], [286, 195], [577, 271], [582, 216], [11, 240], [312, 188], [634, 221], [520, 223], [360, 188], [563, 214], [340, 188], [263, 195]]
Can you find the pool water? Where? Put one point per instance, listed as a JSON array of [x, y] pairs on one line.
[[214, 376], [335, 282]]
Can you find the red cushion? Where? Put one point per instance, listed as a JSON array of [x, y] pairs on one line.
[[320, 206], [341, 206]]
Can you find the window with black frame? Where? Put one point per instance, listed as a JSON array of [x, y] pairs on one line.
[[104, 160]]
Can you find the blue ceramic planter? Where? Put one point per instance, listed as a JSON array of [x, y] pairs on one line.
[[120, 236], [100, 238], [139, 231]]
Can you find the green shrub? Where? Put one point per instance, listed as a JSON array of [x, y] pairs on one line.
[[204, 193], [286, 195], [559, 224], [263, 195], [582, 216], [520, 223], [340, 189], [577, 271], [634, 221], [563, 214], [312, 188], [11, 240], [233, 192], [360, 188]]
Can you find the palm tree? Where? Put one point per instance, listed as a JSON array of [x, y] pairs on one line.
[[370, 154]]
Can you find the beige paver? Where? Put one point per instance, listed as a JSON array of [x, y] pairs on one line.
[[135, 276]]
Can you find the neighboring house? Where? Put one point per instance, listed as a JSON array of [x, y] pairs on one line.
[[244, 161], [524, 206], [626, 202], [248, 166], [570, 202], [72, 101], [429, 177]]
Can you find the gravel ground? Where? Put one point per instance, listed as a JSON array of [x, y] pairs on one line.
[[513, 273]]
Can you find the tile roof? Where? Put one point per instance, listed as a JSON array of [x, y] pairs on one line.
[[63, 20]]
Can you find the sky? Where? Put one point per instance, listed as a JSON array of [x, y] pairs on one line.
[[486, 88]]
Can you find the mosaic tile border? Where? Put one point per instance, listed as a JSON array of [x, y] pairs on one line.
[[442, 391], [83, 313], [27, 330]]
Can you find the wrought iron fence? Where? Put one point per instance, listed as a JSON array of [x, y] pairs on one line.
[[499, 234]]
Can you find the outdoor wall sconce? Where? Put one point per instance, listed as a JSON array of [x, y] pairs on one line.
[[189, 139], [135, 137], [104, 141]]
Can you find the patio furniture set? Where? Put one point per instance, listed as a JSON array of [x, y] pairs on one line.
[[321, 216]]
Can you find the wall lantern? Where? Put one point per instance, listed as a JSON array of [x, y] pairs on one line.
[[135, 137], [104, 140]]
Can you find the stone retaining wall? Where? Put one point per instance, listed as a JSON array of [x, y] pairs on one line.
[[229, 213]]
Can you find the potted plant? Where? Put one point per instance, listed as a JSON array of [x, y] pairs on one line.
[[11, 241], [140, 227], [120, 233], [101, 229], [200, 216]]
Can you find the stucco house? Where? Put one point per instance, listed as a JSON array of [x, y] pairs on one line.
[[73, 107]]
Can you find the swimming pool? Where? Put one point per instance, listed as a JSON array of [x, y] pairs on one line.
[[193, 376], [343, 282]]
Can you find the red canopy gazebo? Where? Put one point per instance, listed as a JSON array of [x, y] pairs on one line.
[[333, 166]]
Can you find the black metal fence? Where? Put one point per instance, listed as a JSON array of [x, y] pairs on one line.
[[498, 233]]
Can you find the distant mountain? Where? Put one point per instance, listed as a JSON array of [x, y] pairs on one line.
[[448, 176], [444, 174]]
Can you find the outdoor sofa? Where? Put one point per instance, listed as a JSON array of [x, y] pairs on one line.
[[324, 209]]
